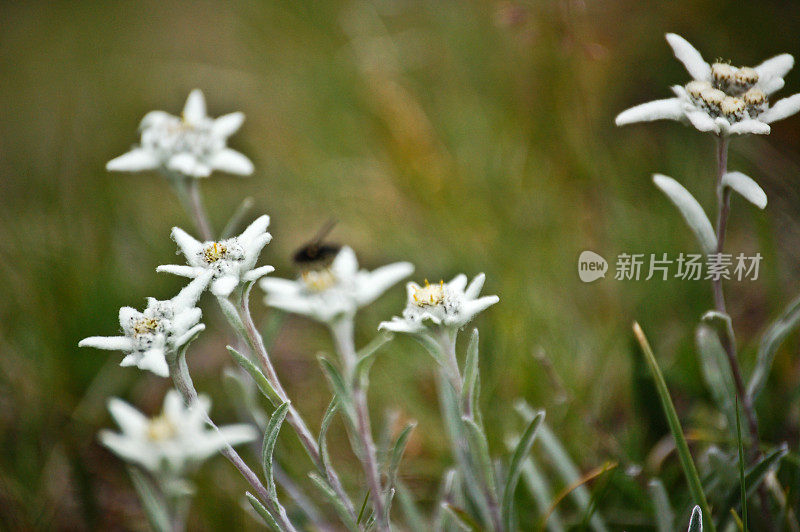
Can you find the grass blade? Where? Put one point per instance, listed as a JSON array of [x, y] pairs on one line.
[[515, 466], [685, 457], [769, 344], [741, 465]]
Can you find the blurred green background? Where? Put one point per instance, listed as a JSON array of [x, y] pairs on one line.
[[462, 136]]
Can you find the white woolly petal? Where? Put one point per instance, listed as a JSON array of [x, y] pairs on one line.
[[380, 280], [190, 293], [690, 57], [213, 442], [701, 121], [157, 118], [293, 305], [345, 265], [186, 319], [745, 127], [126, 314], [111, 343], [223, 286], [232, 162], [258, 273], [131, 421], [475, 286], [136, 160], [181, 270], [775, 67], [253, 249], [190, 247], [471, 308], [194, 112], [189, 335], [130, 360], [227, 125], [771, 86], [131, 450], [781, 109], [154, 360], [188, 165], [280, 287], [174, 406], [256, 228], [667, 109], [411, 289], [401, 326], [458, 283]]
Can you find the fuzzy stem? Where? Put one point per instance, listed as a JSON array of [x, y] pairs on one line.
[[342, 332], [256, 343], [447, 343], [188, 192], [723, 213], [183, 382]]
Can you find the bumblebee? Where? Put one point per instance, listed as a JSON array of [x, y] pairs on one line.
[[317, 254]]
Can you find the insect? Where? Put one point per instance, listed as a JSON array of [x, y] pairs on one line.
[[317, 254]]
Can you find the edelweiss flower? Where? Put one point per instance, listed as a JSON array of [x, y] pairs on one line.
[[443, 305], [721, 98], [172, 442], [232, 261], [329, 292], [158, 332], [193, 145]]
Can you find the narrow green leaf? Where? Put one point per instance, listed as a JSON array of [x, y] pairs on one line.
[[339, 386], [769, 344], [742, 481], [685, 457], [270, 439], [323, 431], [413, 516], [366, 355], [362, 511], [335, 501], [236, 218], [469, 391], [755, 475], [564, 465], [691, 211], [716, 371], [746, 187], [480, 449], [432, 348], [232, 315], [515, 467], [261, 381], [539, 487], [263, 512], [665, 516], [696, 521], [397, 455], [154, 506], [461, 517]]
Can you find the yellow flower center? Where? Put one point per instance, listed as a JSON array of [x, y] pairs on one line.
[[429, 295], [160, 429], [318, 280], [145, 326], [214, 252]]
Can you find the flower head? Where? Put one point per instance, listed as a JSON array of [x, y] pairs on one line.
[[721, 98], [441, 305], [193, 144], [231, 261], [173, 441], [157, 333], [326, 292]]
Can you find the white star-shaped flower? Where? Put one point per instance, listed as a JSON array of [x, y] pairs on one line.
[[232, 261], [173, 442], [328, 293], [159, 332], [193, 144], [443, 306], [721, 98]]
